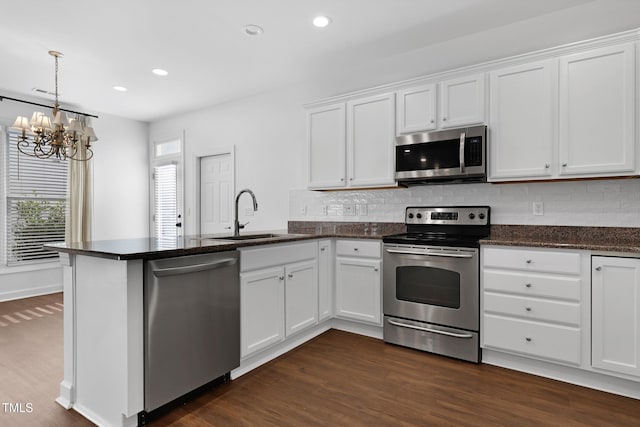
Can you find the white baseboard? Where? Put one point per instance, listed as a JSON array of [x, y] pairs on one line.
[[30, 292]]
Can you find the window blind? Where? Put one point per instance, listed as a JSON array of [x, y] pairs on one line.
[[36, 204], [165, 210]]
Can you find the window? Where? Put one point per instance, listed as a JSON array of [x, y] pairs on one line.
[[166, 189], [36, 204]]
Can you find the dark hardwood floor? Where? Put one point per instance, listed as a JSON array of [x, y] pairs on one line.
[[337, 379]]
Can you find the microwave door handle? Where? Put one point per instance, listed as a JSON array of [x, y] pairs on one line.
[[463, 137]]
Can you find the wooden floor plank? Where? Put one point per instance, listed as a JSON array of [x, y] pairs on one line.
[[336, 379]]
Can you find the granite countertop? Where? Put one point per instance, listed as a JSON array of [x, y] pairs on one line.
[[155, 248], [606, 239]]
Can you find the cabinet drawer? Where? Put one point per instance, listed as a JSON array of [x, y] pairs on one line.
[[559, 343], [538, 285], [542, 261], [533, 308], [358, 248], [274, 255]]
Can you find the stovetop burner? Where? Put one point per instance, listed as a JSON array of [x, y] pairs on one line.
[[461, 226]]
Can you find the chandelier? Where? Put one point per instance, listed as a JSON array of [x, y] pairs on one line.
[[61, 137]]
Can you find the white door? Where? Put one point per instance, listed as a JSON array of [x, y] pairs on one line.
[[615, 287], [327, 147], [462, 101], [358, 289], [371, 141], [262, 309], [301, 296], [216, 193], [416, 109], [597, 111], [523, 121]]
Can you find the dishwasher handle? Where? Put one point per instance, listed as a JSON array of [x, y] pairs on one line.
[[174, 271]]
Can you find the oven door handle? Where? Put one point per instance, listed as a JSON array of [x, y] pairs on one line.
[[442, 254], [435, 331]]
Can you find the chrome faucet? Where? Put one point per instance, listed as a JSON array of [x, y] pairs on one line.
[[236, 224]]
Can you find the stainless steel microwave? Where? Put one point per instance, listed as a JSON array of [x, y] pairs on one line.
[[447, 155]]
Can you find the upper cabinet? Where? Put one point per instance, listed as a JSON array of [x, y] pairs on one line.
[[597, 112], [570, 117], [352, 144], [523, 125], [462, 102]]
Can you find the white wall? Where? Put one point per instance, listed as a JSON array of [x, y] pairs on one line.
[[269, 132], [121, 185]]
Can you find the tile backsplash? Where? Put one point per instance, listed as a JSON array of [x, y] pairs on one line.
[[614, 202]]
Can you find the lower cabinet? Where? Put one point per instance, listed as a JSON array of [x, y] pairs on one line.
[[325, 279], [278, 294], [615, 314], [358, 281], [532, 303]]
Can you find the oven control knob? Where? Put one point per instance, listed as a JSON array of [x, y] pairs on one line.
[[419, 215], [472, 215], [481, 216], [410, 216]]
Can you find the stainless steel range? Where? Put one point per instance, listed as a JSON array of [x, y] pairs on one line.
[[431, 282]]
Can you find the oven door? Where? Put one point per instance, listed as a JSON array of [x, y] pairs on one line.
[[437, 285]]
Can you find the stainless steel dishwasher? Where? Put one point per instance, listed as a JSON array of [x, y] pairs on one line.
[[192, 324]]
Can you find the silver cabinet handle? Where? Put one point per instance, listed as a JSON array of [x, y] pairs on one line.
[[173, 271], [322, 249], [528, 339], [442, 254], [547, 166], [432, 120], [528, 285], [355, 249], [290, 275], [528, 308], [564, 165], [528, 261], [463, 137], [375, 269], [281, 278], [444, 119], [341, 179], [435, 331], [598, 268]]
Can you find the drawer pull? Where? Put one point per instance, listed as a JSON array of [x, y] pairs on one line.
[[528, 261], [528, 285], [435, 331], [281, 278], [598, 268], [528, 308], [528, 339], [355, 249]]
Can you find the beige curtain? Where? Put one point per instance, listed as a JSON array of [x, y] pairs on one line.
[[80, 193]]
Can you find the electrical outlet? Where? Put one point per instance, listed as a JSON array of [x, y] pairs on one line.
[[348, 210], [538, 208]]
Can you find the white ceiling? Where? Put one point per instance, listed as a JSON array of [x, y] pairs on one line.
[[209, 57]]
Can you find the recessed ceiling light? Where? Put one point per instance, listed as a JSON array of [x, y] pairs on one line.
[[321, 21], [120, 88], [253, 30], [159, 72]]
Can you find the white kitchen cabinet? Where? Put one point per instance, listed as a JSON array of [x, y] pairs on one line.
[[278, 293], [262, 309], [416, 109], [358, 281], [301, 296], [523, 121], [615, 316], [327, 134], [325, 280], [462, 101], [567, 117], [531, 303], [352, 144], [371, 141], [597, 111]]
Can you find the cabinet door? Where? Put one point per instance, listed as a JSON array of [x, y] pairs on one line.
[[523, 121], [301, 296], [615, 287], [358, 289], [325, 280], [327, 147], [416, 109], [262, 309], [371, 141], [462, 101], [597, 111]]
